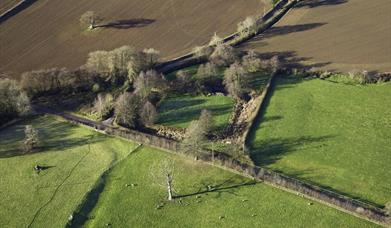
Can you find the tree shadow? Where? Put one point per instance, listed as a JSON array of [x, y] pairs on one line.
[[266, 152], [182, 111], [317, 3], [287, 29], [53, 136], [128, 23], [290, 60], [229, 186], [284, 30]]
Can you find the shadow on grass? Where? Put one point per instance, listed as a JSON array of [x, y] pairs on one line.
[[266, 152], [228, 186], [53, 135], [180, 111]]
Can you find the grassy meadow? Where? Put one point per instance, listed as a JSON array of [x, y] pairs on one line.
[[74, 157], [334, 134], [131, 198]]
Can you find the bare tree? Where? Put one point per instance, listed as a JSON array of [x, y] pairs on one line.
[[103, 105], [251, 62], [14, 101], [148, 114], [90, 19], [275, 63], [248, 26], [223, 55], [235, 81], [100, 62], [151, 58], [126, 110], [197, 133], [162, 174], [206, 75], [148, 81], [31, 140], [206, 121]]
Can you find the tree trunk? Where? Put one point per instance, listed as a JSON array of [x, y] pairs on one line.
[[169, 186]]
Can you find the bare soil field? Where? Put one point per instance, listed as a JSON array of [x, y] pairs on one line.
[[48, 34], [7, 4], [341, 35]]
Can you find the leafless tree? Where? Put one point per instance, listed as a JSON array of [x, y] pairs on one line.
[[206, 121], [151, 58], [235, 81], [99, 62], [31, 140], [14, 101], [162, 173], [126, 110], [251, 62], [197, 133], [148, 81], [103, 105], [90, 19], [148, 114], [223, 55], [248, 26]]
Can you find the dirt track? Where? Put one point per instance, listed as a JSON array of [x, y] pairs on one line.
[[340, 35], [47, 34]]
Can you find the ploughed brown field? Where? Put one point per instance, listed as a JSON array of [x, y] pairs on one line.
[[341, 35], [7, 4], [48, 33]]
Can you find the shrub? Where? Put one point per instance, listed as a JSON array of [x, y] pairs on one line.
[[31, 140], [361, 78], [14, 101], [126, 110], [223, 55]]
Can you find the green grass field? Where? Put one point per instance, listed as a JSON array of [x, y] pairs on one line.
[[236, 201], [333, 134], [48, 199], [179, 111]]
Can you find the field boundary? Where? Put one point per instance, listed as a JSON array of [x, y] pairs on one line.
[[21, 5], [341, 202], [259, 103]]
